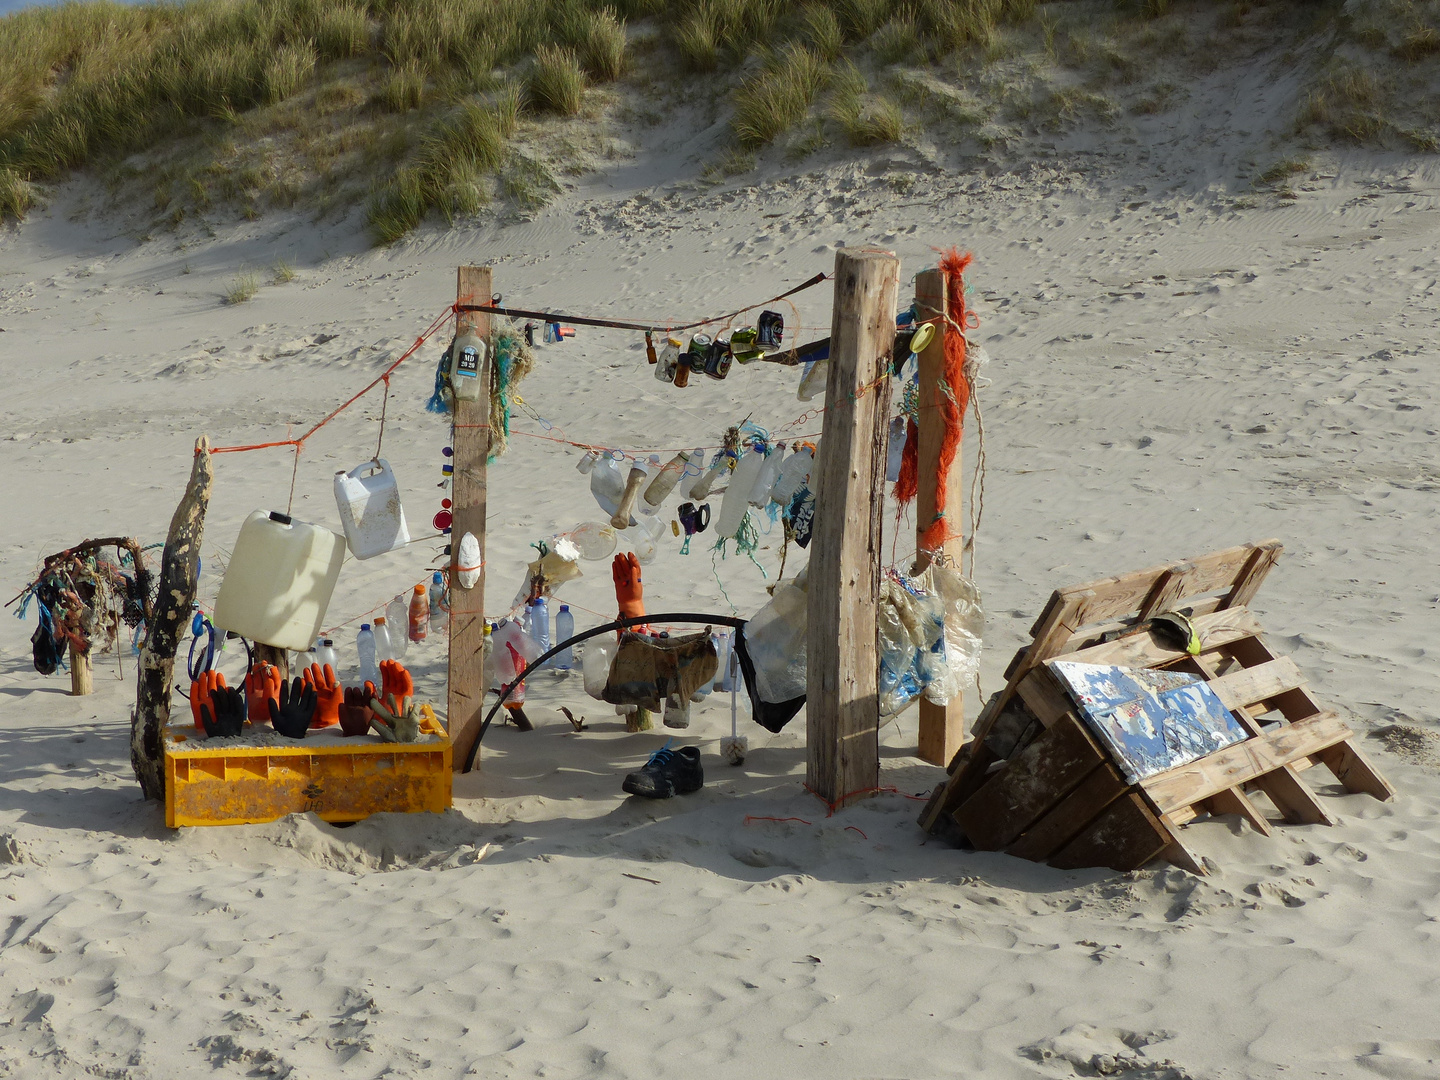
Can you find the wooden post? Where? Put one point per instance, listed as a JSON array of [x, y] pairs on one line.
[[942, 727], [82, 674], [471, 442], [170, 618], [842, 694]]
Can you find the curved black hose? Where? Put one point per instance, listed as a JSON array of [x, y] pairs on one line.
[[595, 631]]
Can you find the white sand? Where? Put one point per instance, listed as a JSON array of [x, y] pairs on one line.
[[1169, 376]]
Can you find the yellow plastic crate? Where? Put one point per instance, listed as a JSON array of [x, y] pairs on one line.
[[338, 781]]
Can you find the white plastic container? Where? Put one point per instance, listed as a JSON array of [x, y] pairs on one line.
[[370, 510], [467, 367], [760, 493], [794, 473], [384, 650], [737, 495], [281, 576]]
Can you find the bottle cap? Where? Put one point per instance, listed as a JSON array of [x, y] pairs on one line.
[[419, 588], [379, 620], [326, 641], [364, 626], [437, 579], [564, 607]]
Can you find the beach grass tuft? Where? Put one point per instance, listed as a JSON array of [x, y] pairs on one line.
[[243, 286]]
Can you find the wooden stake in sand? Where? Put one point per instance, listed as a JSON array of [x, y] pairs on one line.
[[82, 673], [842, 692], [942, 727], [466, 699], [179, 570]]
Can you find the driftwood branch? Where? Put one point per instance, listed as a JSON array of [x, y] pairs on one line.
[[128, 543], [179, 571]]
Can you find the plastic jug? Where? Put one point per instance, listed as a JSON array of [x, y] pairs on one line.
[[281, 576], [419, 614], [396, 617], [512, 649], [365, 646], [384, 647], [467, 366], [564, 631], [370, 510]]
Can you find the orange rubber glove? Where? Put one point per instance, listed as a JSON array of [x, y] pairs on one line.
[[200, 691], [328, 695], [262, 686], [629, 593], [395, 681]]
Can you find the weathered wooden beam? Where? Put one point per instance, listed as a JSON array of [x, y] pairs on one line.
[[842, 684], [942, 727], [471, 442], [179, 571]]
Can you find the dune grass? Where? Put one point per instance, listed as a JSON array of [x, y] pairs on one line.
[[243, 286]]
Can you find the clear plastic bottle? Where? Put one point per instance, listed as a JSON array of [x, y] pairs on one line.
[[540, 625], [793, 473], [664, 482], [397, 619], [587, 462], [564, 631], [722, 654], [365, 646], [729, 667], [325, 653], [700, 490], [419, 614], [437, 603], [384, 647], [760, 493], [736, 502]]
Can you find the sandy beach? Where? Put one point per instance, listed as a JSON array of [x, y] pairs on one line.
[[1171, 371]]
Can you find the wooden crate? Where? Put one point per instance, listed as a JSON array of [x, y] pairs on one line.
[[1032, 780]]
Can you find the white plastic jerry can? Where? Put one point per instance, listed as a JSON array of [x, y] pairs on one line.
[[281, 576], [467, 365], [370, 512]]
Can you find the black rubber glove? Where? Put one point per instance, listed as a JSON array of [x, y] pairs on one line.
[[229, 718], [296, 709]]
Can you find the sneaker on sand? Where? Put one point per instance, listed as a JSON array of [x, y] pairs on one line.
[[668, 772]]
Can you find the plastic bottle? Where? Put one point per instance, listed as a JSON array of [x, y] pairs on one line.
[[607, 484], [895, 449], [419, 614], [722, 656], [384, 648], [397, 618], [564, 631], [365, 646], [325, 653], [669, 359], [437, 603], [736, 503], [587, 462], [540, 625], [467, 363], [793, 473], [727, 681], [760, 493], [700, 490], [664, 483]]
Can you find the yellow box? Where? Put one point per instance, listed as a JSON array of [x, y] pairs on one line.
[[345, 781]]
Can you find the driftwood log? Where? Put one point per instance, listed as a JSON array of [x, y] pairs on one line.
[[179, 570]]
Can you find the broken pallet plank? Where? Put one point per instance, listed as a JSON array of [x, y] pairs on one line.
[[1125, 836], [1070, 816], [1037, 778]]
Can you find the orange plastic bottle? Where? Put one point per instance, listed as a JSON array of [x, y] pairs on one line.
[[419, 614]]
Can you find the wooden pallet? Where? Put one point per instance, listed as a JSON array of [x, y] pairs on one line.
[[1033, 782]]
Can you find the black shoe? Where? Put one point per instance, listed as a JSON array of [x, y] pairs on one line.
[[668, 772]]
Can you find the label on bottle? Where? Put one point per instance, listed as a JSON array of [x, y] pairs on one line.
[[469, 364]]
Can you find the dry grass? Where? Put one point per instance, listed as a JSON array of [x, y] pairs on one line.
[[775, 100], [556, 82]]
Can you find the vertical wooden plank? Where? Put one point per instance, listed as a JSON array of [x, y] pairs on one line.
[[942, 727], [842, 699], [1247, 583], [471, 441], [82, 673]]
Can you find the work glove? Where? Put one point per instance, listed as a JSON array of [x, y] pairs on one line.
[[200, 691], [262, 685], [292, 714], [629, 593], [397, 719], [355, 713], [329, 695], [395, 681], [223, 712]]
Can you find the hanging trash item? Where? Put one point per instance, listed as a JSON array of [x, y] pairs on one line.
[[513, 361], [646, 670], [693, 520], [467, 366], [770, 329], [368, 498], [771, 648], [644, 539], [595, 540], [622, 518], [734, 507], [468, 561], [929, 629], [278, 585], [557, 564], [658, 490]]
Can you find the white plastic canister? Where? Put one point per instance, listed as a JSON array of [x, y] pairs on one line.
[[370, 510], [279, 581]]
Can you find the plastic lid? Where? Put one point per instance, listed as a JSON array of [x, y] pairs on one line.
[[437, 578], [379, 619], [564, 607], [326, 641], [283, 519], [420, 588], [364, 626]]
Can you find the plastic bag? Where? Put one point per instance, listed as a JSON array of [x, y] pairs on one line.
[[929, 630], [771, 649], [595, 660], [964, 630]]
